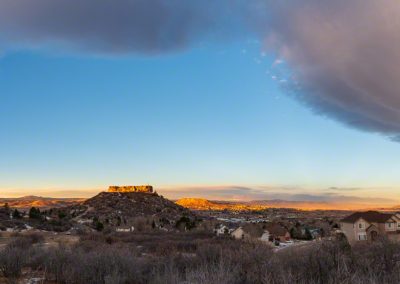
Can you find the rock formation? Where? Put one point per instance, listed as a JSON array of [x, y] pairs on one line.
[[131, 188], [116, 209]]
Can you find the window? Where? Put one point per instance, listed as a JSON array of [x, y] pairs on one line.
[[362, 236], [390, 226], [361, 225]]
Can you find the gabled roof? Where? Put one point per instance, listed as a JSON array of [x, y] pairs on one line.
[[275, 229], [369, 216], [371, 227]]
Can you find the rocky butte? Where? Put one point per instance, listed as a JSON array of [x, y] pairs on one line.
[[131, 188]]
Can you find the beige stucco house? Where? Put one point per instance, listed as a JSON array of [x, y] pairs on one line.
[[370, 225]]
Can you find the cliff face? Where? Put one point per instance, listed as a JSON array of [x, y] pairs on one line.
[[131, 188]]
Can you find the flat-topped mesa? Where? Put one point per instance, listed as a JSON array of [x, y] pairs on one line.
[[131, 188]]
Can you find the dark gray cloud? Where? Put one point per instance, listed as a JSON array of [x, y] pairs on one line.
[[122, 26], [344, 54]]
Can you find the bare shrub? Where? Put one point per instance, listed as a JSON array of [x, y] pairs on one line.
[[18, 253], [378, 260], [12, 260], [101, 265], [34, 238], [25, 241], [197, 258]]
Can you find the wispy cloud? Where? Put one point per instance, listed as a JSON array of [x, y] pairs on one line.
[[343, 189]]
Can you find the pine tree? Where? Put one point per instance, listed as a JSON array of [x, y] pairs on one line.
[[34, 213], [16, 214]]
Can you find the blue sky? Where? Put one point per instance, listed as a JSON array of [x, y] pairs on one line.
[[208, 116], [294, 100]]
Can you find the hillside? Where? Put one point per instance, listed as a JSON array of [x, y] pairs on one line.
[[196, 203], [115, 209], [112, 210]]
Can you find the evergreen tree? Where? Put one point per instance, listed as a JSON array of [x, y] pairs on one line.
[[308, 236], [16, 214], [99, 226], [6, 207], [62, 214], [34, 213]]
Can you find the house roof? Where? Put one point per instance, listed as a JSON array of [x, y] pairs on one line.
[[275, 229], [254, 230], [369, 216], [371, 227]]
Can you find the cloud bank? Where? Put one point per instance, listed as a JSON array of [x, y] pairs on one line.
[[344, 55]]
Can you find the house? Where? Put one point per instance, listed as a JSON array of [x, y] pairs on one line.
[[222, 229], [125, 229], [248, 232], [269, 232], [370, 225], [238, 233], [275, 232]]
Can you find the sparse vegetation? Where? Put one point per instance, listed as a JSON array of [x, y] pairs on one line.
[[16, 255], [198, 257]]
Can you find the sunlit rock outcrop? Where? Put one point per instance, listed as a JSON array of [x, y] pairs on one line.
[[131, 188]]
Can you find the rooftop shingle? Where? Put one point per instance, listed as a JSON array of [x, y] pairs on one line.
[[369, 216]]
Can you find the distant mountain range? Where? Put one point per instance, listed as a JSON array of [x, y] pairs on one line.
[[27, 202]]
